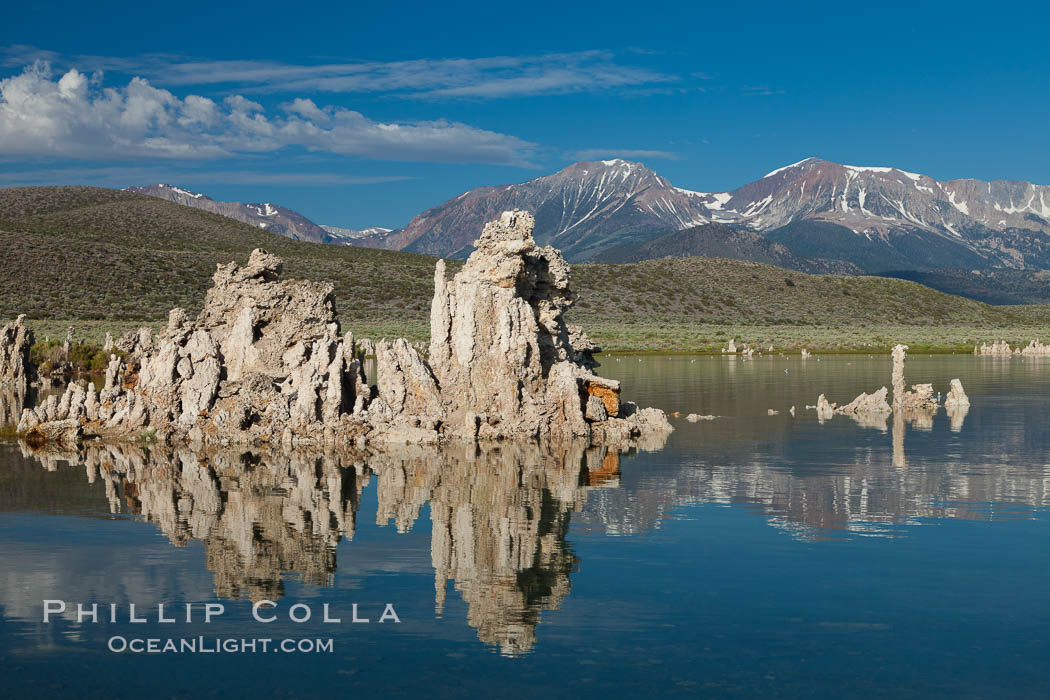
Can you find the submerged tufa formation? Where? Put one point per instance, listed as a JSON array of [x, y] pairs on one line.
[[265, 363], [920, 398], [1001, 348], [919, 404]]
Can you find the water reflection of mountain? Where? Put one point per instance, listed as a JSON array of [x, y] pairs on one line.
[[499, 516]]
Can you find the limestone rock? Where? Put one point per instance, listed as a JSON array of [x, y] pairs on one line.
[[405, 382], [256, 318], [263, 356], [16, 368], [136, 343], [899, 353], [868, 404], [956, 405], [1001, 348], [584, 349], [596, 410], [68, 345], [605, 390], [1036, 349], [825, 410], [921, 396], [264, 363], [919, 403], [28, 421], [65, 432], [500, 348], [869, 410], [956, 396]]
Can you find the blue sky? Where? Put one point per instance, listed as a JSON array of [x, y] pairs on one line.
[[358, 115]]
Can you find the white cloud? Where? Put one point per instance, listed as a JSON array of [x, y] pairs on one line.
[[491, 77], [75, 117], [487, 77]]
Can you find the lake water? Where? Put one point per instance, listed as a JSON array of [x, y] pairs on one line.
[[752, 555]]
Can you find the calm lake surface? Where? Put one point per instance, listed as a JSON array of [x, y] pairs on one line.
[[751, 555]]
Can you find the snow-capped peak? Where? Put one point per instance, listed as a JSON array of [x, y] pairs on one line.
[[179, 190], [787, 167], [881, 169], [692, 193]]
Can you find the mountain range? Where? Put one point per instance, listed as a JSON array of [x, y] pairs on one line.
[[105, 256], [716, 240], [271, 217], [875, 218], [813, 216], [347, 236]]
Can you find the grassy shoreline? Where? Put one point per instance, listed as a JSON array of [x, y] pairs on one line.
[[680, 337]]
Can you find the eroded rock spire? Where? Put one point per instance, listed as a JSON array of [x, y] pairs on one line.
[[16, 369], [264, 363]]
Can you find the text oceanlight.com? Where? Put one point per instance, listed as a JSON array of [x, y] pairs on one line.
[[219, 645]]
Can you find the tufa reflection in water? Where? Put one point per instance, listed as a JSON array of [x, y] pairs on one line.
[[499, 515], [12, 400]]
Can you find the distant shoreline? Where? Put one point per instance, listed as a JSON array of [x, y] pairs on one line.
[[654, 338]]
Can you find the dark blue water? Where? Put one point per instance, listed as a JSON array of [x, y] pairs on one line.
[[752, 555]]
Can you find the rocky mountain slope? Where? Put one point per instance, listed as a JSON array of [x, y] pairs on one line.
[[877, 218], [885, 218], [870, 199], [348, 236], [271, 217], [720, 241], [581, 210]]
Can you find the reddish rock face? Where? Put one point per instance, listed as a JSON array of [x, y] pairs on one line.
[[606, 390]]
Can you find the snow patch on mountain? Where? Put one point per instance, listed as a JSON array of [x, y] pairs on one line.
[[787, 167], [720, 200], [185, 193]]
